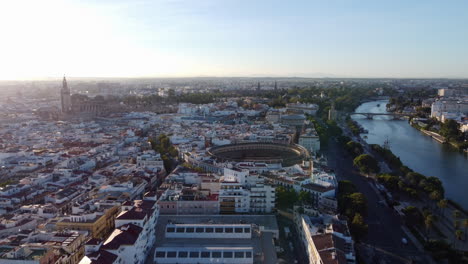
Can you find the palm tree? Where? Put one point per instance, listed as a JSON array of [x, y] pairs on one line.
[[465, 225], [435, 196], [429, 221], [456, 215], [442, 205], [458, 235]]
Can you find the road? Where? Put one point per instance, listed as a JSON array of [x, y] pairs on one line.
[[385, 231]]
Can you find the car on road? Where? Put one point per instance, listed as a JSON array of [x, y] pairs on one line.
[[404, 241]]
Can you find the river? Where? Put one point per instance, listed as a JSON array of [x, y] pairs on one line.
[[418, 151]]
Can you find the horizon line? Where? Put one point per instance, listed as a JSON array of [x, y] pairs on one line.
[[232, 77]]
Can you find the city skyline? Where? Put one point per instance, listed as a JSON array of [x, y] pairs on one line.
[[421, 39]]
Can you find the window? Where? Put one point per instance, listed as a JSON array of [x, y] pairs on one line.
[[180, 230], [205, 254], [183, 254], [227, 254], [160, 254], [189, 230], [247, 230], [170, 230], [171, 254], [248, 254], [199, 230], [209, 230], [238, 230], [228, 230], [215, 254], [194, 254], [238, 254], [219, 230]]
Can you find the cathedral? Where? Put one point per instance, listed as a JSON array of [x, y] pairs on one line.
[[78, 105]]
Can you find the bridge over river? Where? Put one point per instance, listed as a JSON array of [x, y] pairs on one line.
[[371, 115]]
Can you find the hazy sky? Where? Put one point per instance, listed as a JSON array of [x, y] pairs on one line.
[[160, 38]]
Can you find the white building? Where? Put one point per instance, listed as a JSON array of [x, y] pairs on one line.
[[187, 109], [440, 107], [241, 192], [310, 140], [150, 160], [133, 237]]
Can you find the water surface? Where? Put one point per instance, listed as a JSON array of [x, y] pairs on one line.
[[418, 151]]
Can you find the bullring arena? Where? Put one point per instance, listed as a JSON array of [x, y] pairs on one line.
[[267, 152]]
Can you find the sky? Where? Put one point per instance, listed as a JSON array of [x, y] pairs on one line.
[[191, 38]]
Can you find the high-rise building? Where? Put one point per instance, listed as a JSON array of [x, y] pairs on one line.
[[65, 97]]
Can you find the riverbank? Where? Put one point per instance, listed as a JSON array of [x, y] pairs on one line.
[[439, 138], [418, 151], [434, 135]]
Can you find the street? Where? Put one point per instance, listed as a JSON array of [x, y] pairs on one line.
[[385, 232]]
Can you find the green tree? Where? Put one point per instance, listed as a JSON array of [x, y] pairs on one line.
[[359, 203], [358, 227], [286, 197], [431, 184], [442, 204], [450, 129], [355, 148], [414, 178], [435, 196], [346, 187], [342, 140], [366, 164], [305, 197], [391, 182]]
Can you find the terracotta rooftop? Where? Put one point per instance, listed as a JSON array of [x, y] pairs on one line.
[[330, 247]]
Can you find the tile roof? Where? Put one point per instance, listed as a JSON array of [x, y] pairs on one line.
[[330, 247]]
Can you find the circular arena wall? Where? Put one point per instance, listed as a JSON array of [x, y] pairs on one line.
[[268, 152]]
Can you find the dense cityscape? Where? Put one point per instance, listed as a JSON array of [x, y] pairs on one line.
[[233, 132], [245, 170]]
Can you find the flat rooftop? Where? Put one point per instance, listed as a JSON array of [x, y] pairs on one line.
[[261, 242]]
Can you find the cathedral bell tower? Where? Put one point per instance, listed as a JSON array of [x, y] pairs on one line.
[[65, 97]]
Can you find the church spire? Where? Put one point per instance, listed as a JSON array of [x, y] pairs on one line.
[[64, 83]]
